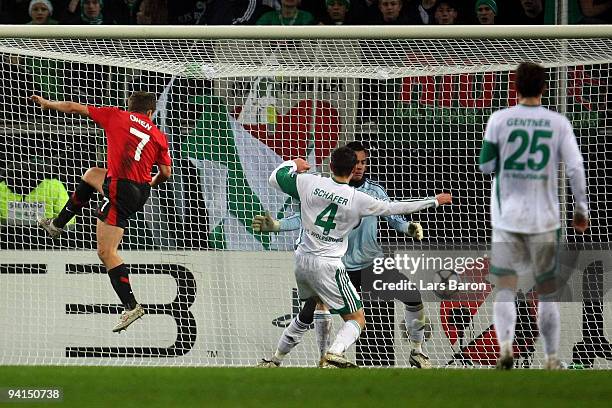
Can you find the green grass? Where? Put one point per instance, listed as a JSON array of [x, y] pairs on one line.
[[315, 388]]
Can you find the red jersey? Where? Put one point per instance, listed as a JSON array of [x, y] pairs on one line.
[[134, 143]]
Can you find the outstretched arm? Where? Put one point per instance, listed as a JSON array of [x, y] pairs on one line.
[[371, 206], [265, 223], [61, 106]]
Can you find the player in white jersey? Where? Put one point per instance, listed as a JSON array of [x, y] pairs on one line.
[[376, 343], [330, 209], [523, 145]]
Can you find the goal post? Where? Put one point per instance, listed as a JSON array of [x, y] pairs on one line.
[[236, 101]]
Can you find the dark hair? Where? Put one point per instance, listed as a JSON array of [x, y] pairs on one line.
[[356, 147], [530, 79], [142, 102], [449, 3], [343, 161]]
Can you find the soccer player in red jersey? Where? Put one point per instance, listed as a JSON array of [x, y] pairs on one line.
[[134, 145]]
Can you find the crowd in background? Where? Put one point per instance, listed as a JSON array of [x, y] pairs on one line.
[[296, 12]]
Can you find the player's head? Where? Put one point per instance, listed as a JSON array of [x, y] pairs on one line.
[[142, 102], [530, 79], [343, 161], [362, 160]]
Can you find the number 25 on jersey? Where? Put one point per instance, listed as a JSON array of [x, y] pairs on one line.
[[537, 145]]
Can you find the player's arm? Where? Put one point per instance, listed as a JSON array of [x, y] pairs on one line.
[[265, 223], [399, 223], [489, 152], [284, 177], [371, 206], [163, 161], [574, 169], [61, 106], [162, 175]]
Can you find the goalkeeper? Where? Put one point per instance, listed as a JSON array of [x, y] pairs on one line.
[[375, 347]]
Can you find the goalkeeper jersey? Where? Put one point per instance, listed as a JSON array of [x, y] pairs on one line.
[[330, 210], [523, 145]]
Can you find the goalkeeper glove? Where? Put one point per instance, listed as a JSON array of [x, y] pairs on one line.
[[415, 230], [265, 223]]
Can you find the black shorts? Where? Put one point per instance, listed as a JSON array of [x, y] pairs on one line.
[[122, 199]]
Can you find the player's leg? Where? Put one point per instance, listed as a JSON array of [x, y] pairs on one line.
[[507, 248], [348, 334], [91, 182], [323, 328], [544, 249], [376, 344], [504, 319], [292, 335], [294, 332], [108, 239], [122, 199], [339, 294], [414, 315]]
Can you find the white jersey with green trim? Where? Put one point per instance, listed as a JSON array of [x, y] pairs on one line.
[[523, 145], [330, 210]]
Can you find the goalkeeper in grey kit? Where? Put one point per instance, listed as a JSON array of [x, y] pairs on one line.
[[375, 346]]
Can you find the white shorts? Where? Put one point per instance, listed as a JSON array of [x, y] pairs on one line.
[[520, 254], [327, 279]]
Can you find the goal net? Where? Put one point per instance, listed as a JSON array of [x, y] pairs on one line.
[[217, 293]]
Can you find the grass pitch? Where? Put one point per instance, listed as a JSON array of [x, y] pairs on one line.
[[310, 387]]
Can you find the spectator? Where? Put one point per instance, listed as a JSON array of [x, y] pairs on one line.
[[391, 13], [153, 12], [446, 13], [336, 12], [92, 13], [289, 14], [41, 12], [532, 12], [420, 12], [596, 12], [486, 10]]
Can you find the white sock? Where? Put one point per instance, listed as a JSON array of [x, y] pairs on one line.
[[549, 322], [347, 335], [415, 325], [323, 327], [291, 337], [504, 317]]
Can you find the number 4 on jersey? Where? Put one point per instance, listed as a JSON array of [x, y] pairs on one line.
[[327, 224], [144, 139]]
